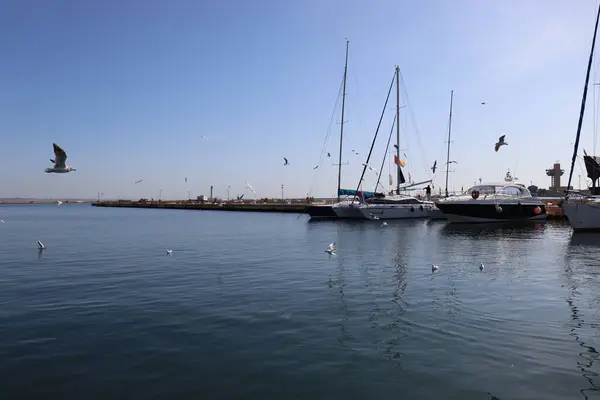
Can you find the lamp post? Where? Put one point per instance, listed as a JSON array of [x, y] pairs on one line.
[[228, 187], [282, 192]]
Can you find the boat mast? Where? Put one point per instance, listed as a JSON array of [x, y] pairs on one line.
[[449, 133], [398, 129], [342, 124], [585, 87]]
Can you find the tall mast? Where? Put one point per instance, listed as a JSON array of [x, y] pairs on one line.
[[449, 133], [342, 123], [398, 129], [582, 111]]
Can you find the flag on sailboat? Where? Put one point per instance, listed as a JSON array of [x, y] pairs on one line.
[[399, 162]]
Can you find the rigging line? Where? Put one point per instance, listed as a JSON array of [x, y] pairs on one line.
[[375, 136], [413, 119], [386, 153], [327, 135]]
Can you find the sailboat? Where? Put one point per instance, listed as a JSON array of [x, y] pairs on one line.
[[583, 211], [398, 206], [326, 211]]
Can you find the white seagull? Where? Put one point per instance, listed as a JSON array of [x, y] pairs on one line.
[[371, 168], [41, 245], [60, 161], [500, 143], [434, 267], [169, 252], [330, 249], [481, 266]]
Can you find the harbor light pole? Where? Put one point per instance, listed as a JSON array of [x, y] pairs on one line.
[[228, 187], [281, 192], [160, 195]]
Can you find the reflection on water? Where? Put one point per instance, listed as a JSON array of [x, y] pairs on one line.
[[274, 316], [585, 239]]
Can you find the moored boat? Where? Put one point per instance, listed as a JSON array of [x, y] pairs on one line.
[[493, 202]]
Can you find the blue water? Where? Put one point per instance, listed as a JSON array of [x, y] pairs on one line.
[[250, 306]]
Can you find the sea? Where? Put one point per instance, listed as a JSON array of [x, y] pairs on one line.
[[250, 306]]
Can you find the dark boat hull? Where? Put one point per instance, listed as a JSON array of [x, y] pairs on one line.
[[321, 211], [485, 213]]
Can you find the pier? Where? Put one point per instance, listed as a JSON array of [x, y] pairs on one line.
[[295, 207]]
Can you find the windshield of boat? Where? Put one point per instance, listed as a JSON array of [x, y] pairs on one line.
[[507, 190]]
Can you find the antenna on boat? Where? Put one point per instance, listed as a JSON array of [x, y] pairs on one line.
[[342, 123], [449, 133]]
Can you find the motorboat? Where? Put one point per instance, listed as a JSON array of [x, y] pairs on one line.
[[493, 202]]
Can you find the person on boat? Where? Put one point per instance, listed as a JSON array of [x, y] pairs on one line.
[[428, 192]]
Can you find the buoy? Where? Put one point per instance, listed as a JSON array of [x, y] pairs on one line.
[[537, 210]]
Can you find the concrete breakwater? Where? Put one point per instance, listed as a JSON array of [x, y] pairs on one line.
[[554, 211], [251, 207]]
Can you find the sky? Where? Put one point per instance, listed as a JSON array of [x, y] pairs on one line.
[[220, 92]]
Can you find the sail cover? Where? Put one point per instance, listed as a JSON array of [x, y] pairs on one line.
[[592, 166], [352, 192]]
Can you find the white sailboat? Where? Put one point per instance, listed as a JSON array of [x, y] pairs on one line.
[[582, 210], [398, 206]]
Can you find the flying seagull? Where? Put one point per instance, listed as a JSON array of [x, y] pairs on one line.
[[328, 154], [285, 161], [500, 143], [140, 181], [483, 103], [60, 159], [371, 168], [434, 166], [450, 162], [316, 167], [396, 146]]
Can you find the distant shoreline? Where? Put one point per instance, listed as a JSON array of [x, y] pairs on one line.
[[43, 201]]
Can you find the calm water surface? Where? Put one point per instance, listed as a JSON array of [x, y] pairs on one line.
[[250, 305]]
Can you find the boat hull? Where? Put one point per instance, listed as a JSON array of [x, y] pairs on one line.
[[397, 211], [583, 217], [348, 211], [487, 212], [321, 211]]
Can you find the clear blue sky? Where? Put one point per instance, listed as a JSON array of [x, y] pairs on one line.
[[128, 89]]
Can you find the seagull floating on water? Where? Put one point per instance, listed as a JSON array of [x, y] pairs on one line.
[[330, 249], [481, 266], [2, 221], [500, 143], [373, 216], [169, 252], [41, 245], [60, 161], [384, 223], [434, 267]]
